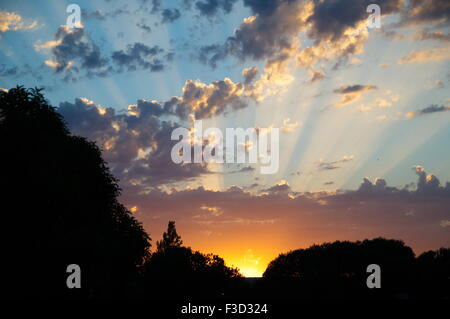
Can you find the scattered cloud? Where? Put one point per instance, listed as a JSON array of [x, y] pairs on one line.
[[288, 126], [73, 51], [433, 108], [316, 76], [11, 21], [323, 165], [139, 57], [352, 93], [426, 55], [437, 84]]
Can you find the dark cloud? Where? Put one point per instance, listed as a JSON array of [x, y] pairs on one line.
[[144, 27], [374, 209], [70, 46], [139, 56], [426, 12], [73, 51], [103, 15], [354, 88], [244, 169], [212, 7], [170, 15], [351, 93], [250, 75], [280, 188], [6, 71], [136, 144], [330, 19], [323, 165], [433, 108], [273, 31]]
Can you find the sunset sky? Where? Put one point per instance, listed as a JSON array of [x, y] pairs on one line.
[[363, 113]]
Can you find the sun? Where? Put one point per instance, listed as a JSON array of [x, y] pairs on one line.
[[250, 272]]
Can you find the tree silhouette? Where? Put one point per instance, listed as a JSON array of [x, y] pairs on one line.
[[338, 269], [176, 272], [60, 202], [170, 238], [433, 272]]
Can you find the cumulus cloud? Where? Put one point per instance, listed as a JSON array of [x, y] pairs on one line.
[[71, 45], [73, 51], [137, 144], [374, 209], [352, 93], [139, 56], [337, 28], [11, 21]]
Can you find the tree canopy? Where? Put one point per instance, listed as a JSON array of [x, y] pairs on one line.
[[61, 206]]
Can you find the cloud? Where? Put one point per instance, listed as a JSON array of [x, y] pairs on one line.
[[212, 7], [426, 12], [374, 209], [352, 93], [244, 169], [10, 21], [338, 29], [433, 108], [207, 100], [428, 183], [73, 51], [433, 35], [426, 55], [323, 165], [435, 85], [136, 144], [144, 27], [288, 126], [71, 45], [170, 15], [316, 76], [249, 74], [139, 56]]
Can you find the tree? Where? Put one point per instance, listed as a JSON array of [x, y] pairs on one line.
[[338, 269], [175, 272], [59, 201], [170, 238]]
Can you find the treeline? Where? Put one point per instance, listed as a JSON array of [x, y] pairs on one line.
[[60, 207]]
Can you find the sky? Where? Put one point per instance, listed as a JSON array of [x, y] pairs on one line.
[[363, 113]]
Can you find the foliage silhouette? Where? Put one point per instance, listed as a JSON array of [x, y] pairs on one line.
[[61, 204], [338, 270], [170, 238], [178, 272]]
